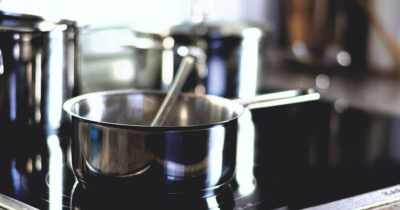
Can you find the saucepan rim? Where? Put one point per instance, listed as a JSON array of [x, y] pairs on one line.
[[237, 108]]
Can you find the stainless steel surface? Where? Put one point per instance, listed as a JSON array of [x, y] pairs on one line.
[[147, 51], [155, 62], [228, 57], [106, 64], [174, 91], [112, 138], [196, 146], [386, 198], [8, 203], [233, 53], [40, 64], [279, 98]]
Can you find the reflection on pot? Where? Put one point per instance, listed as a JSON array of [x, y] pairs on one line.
[[38, 72]]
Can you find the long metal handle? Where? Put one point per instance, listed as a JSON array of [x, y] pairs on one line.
[[279, 98], [183, 72]]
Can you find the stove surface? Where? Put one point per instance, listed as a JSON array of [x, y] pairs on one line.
[[60, 190], [45, 180], [302, 156]]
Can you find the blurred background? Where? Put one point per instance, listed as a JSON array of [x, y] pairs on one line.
[[357, 37], [348, 50]]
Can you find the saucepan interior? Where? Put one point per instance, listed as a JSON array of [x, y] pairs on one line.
[[138, 108], [112, 139]]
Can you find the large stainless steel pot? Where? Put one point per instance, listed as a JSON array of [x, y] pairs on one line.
[[195, 150], [39, 63], [38, 72]]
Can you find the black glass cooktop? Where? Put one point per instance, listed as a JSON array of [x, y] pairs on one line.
[[53, 186], [294, 156]]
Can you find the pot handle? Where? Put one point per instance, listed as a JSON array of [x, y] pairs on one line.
[[279, 98]]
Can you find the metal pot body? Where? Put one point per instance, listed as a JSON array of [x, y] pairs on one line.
[[112, 142], [38, 71], [150, 59], [229, 56], [233, 55]]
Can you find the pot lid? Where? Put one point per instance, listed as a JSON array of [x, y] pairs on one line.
[[220, 29]]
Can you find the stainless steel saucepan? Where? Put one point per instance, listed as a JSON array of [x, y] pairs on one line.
[[195, 150]]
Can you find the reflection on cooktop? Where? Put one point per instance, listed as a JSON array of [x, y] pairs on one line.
[[304, 155], [74, 195], [58, 189], [45, 180], [100, 198]]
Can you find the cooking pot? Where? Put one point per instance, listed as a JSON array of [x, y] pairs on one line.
[[39, 64], [38, 72], [195, 150], [229, 57]]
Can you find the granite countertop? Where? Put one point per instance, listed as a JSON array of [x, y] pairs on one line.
[[369, 93]]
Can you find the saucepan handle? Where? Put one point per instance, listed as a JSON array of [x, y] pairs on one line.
[[279, 98]]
